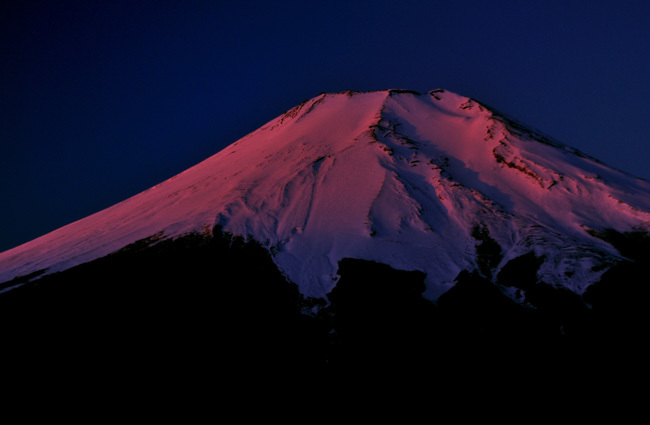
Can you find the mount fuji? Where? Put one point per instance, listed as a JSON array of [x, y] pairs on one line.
[[376, 222]]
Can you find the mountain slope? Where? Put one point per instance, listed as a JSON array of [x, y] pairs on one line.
[[433, 182]]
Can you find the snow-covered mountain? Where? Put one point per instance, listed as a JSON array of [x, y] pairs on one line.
[[424, 182]]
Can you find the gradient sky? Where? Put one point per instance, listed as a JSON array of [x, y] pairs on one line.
[[103, 99]]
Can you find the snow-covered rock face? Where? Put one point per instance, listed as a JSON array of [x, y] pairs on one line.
[[393, 176]]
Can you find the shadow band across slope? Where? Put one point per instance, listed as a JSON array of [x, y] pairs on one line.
[[208, 306]]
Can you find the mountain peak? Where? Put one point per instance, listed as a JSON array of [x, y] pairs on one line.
[[416, 181]]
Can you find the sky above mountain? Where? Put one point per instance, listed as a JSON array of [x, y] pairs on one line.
[[101, 100]]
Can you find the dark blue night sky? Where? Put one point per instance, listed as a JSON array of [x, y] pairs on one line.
[[103, 99]]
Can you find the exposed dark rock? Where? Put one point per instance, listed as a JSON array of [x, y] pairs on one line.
[[488, 251], [521, 272]]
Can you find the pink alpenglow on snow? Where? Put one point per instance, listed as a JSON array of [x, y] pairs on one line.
[[392, 176]]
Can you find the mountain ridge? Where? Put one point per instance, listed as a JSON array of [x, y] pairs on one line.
[[367, 174]]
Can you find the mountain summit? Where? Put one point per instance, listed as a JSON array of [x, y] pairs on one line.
[[434, 182], [381, 230]]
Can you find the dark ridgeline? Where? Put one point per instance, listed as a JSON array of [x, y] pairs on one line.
[[193, 305], [207, 307]]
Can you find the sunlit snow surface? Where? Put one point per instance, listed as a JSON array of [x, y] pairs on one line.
[[390, 176]]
